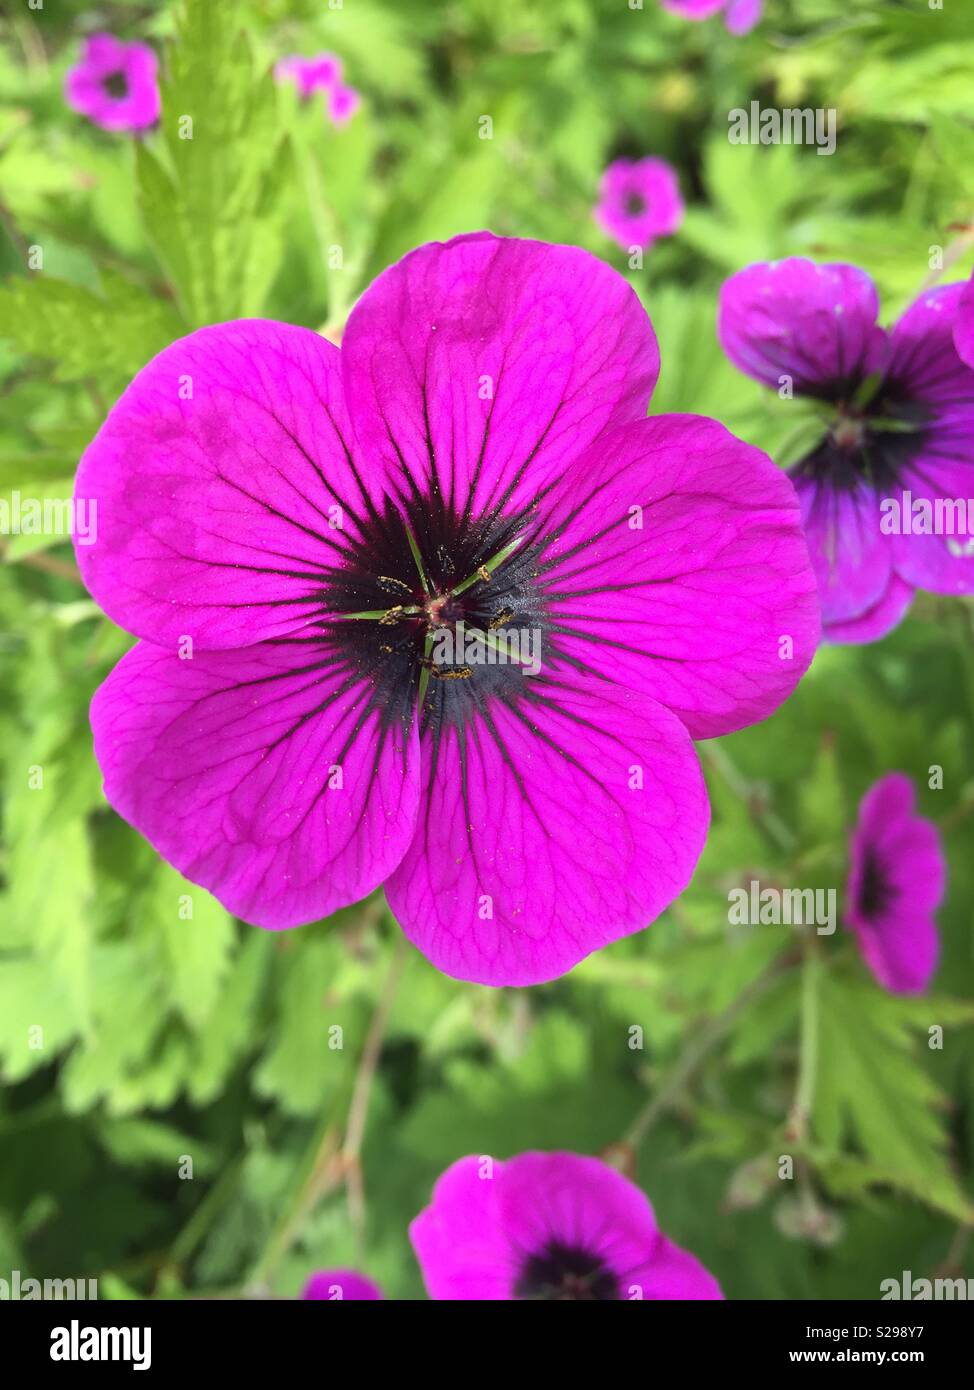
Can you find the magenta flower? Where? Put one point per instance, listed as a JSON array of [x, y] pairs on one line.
[[440, 610], [553, 1226], [323, 73], [740, 16], [343, 102], [964, 324], [897, 448], [115, 84], [337, 1285], [309, 75], [896, 882], [639, 201]]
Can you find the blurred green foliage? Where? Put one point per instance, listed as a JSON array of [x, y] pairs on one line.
[[165, 1037]]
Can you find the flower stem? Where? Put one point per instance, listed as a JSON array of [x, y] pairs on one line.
[[703, 1043], [801, 1110], [763, 816]]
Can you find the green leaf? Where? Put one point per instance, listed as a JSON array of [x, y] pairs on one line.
[[320, 1027], [207, 197], [194, 936], [103, 337], [870, 1089]]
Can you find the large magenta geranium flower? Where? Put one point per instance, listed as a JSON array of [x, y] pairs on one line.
[[899, 439], [440, 610], [549, 1226]]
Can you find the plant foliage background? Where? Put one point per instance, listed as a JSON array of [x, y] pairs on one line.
[[165, 1038]]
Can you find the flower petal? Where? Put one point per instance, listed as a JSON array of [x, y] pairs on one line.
[[489, 364], [341, 1285], [462, 1250], [742, 15], [266, 775], [694, 9], [549, 827], [902, 953], [224, 486], [673, 1273], [937, 550], [876, 620], [924, 360], [676, 565], [964, 324], [852, 558], [813, 323]]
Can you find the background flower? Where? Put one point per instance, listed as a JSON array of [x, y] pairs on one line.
[[309, 75], [740, 16], [115, 84], [639, 201], [322, 73], [549, 1226], [896, 882], [900, 410]]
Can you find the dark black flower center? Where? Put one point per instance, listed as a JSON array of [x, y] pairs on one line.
[[635, 205], [439, 608], [566, 1273], [875, 892], [116, 85], [871, 441]]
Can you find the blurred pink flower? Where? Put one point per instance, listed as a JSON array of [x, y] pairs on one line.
[[343, 102], [639, 201], [897, 877], [740, 16], [322, 73], [115, 84]]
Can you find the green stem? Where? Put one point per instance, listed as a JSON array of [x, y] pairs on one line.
[[801, 1110], [766, 819], [704, 1042]]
